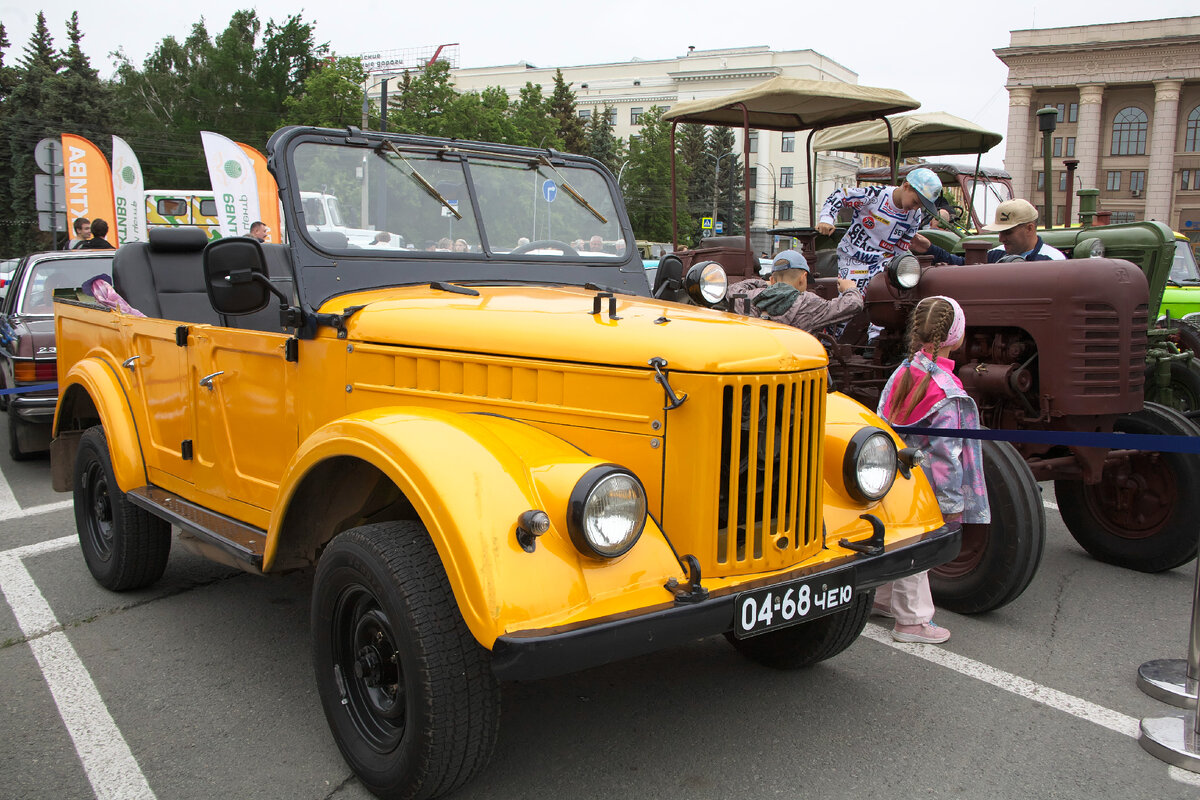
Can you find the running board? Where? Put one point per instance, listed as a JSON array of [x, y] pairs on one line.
[[212, 535]]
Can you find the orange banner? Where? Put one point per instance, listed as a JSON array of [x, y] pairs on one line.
[[89, 185], [268, 193]]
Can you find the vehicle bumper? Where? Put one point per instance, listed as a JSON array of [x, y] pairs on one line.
[[528, 655], [34, 408]]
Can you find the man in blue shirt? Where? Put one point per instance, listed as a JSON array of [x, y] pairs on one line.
[[1016, 223]]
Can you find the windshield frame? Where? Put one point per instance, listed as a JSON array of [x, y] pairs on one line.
[[323, 274]]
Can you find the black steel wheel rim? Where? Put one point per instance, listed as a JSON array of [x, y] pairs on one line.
[[99, 511], [365, 655]]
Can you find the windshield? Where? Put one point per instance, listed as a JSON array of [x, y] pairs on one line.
[[392, 200], [988, 194], [1183, 267]]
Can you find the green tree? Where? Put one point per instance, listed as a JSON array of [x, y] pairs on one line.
[[423, 102], [330, 97], [562, 107], [693, 149], [535, 126], [730, 206], [603, 145], [648, 179]]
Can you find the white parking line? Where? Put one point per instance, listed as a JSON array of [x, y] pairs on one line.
[[1076, 706], [106, 757], [1050, 504]]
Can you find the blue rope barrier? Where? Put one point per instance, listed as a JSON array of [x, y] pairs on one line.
[[1109, 441], [35, 388]]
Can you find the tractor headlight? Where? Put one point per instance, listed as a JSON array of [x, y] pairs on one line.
[[606, 512], [904, 271], [870, 464], [706, 283]]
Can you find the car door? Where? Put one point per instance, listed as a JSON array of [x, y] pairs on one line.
[[246, 422]]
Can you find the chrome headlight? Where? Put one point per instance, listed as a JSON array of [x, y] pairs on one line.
[[904, 271], [869, 467], [606, 512], [706, 283]]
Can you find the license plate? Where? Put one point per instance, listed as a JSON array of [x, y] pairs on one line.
[[762, 610]]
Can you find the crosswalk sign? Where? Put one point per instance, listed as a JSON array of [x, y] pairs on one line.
[[706, 223]]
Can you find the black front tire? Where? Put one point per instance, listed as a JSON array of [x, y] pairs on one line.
[[1142, 515], [125, 547], [808, 643], [408, 693], [998, 560]]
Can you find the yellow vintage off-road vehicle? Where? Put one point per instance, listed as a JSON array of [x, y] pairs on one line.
[[504, 460]]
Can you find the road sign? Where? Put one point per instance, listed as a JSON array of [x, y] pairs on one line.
[[720, 226], [49, 156], [44, 222], [549, 190], [706, 223], [41, 184], [447, 212]]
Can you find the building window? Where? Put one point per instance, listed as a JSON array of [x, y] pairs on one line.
[[1073, 112], [585, 113], [786, 177], [1062, 111], [754, 177], [1041, 181], [1129, 132], [1058, 147], [1185, 179], [1192, 143], [635, 116], [1122, 216], [1062, 181], [753, 141], [612, 116], [1070, 151], [785, 210], [788, 143], [1114, 181], [1137, 180]]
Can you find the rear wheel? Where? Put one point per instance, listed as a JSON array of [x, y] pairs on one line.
[[125, 547], [998, 560], [408, 693], [1142, 515], [805, 644]]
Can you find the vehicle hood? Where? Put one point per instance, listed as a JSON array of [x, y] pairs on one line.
[[31, 336], [557, 323]]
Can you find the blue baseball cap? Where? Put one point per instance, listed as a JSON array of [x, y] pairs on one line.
[[928, 187], [788, 259]]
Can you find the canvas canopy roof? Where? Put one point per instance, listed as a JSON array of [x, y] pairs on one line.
[[793, 104], [933, 133], [943, 170]]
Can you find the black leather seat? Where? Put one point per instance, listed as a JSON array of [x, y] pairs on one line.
[[164, 276]]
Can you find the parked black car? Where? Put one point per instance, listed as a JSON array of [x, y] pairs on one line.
[[28, 356]]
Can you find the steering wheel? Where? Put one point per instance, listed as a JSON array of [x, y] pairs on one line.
[[553, 244]]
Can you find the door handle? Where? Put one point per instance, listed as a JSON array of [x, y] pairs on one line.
[[128, 363], [207, 380]]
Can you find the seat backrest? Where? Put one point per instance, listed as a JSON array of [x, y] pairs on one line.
[[164, 277]]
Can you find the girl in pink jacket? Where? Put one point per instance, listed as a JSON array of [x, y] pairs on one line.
[[924, 392]]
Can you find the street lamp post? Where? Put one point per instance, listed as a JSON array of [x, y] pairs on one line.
[[366, 124], [774, 189]]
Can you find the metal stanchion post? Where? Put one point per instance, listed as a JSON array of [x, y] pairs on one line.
[[1174, 738], [1174, 680]]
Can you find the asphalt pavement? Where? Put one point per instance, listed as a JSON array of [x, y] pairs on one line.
[[201, 687]]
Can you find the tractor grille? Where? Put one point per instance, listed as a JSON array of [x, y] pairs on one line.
[[769, 512], [1109, 360]]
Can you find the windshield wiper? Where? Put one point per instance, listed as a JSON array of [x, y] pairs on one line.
[[576, 196], [451, 287], [418, 177]]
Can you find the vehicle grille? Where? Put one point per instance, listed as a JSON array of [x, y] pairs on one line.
[[769, 513], [1097, 367]]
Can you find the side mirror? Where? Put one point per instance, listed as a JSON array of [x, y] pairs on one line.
[[669, 276], [235, 276]]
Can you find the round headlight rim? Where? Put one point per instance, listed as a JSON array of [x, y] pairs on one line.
[[909, 261], [577, 502], [850, 464], [693, 282]]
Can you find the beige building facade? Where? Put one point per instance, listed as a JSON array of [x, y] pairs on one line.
[[630, 88], [1128, 103]]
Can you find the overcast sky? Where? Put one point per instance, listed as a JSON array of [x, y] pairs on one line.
[[940, 53]]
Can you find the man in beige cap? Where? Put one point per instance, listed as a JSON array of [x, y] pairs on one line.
[[1016, 222]]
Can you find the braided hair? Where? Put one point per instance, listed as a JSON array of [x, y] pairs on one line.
[[928, 329]]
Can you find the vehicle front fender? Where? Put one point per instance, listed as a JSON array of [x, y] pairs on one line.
[[92, 382], [469, 477]]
